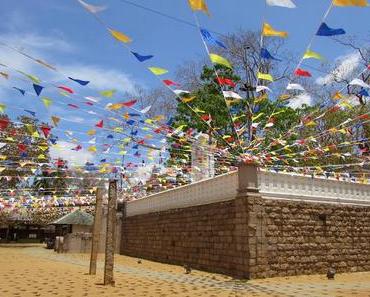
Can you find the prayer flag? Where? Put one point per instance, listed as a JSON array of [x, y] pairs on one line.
[[55, 120], [262, 88], [210, 39], [158, 70], [301, 72], [142, 58], [2, 108], [265, 76], [108, 93], [100, 124], [268, 30], [230, 94], [265, 54], [295, 87], [120, 36], [38, 89], [79, 81], [281, 3], [91, 8], [216, 59], [67, 89], [225, 81], [325, 30], [199, 5], [47, 101], [359, 82], [169, 82], [20, 90], [362, 3], [312, 55]]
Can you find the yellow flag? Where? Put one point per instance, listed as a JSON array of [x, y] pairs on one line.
[[120, 36], [91, 132], [92, 149], [337, 96], [108, 93], [312, 55], [268, 30], [158, 70], [199, 5], [187, 100], [216, 59], [265, 76], [55, 120], [2, 108], [362, 3], [47, 101], [34, 78]]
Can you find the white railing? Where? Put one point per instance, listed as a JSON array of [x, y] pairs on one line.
[[272, 185], [220, 188], [289, 186]]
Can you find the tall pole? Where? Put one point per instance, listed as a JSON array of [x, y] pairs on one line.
[[110, 236], [96, 230]]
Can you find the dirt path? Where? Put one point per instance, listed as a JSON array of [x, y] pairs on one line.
[[35, 271]]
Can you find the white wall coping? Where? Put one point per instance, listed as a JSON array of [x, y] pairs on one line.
[[272, 185]]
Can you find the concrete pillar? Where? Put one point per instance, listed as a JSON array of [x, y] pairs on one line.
[[110, 236], [251, 245], [96, 230]]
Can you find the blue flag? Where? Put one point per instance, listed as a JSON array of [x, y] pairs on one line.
[[32, 113], [134, 133], [325, 30], [265, 54], [142, 58], [131, 122], [363, 93], [210, 39], [38, 89], [79, 81], [20, 90]]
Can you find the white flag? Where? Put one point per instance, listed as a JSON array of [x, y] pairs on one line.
[[231, 94], [263, 88], [146, 109], [180, 92], [281, 3], [91, 8], [295, 87], [359, 82]]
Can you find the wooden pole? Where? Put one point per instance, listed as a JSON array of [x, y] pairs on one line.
[[110, 236], [96, 231]]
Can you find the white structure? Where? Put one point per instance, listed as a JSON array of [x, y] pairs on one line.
[[202, 159], [271, 185]]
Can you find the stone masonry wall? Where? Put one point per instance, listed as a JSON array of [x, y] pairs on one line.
[[200, 236], [252, 237], [307, 238]]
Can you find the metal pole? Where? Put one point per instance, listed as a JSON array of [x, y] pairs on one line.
[[96, 230], [110, 236]]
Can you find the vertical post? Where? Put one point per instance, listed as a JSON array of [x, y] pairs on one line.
[[96, 230], [110, 236]]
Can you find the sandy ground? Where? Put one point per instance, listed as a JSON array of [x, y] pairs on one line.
[[35, 271]]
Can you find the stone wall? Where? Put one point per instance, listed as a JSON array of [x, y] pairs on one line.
[[200, 236], [307, 238], [253, 237]]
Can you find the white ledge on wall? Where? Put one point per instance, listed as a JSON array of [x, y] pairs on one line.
[[271, 185]]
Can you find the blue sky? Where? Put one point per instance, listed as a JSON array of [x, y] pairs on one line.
[[64, 34]]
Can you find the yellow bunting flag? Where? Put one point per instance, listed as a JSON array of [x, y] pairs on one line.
[[216, 59], [108, 93], [312, 55], [187, 100], [337, 96], [2, 169], [31, 77], [2, 108], [199, 5], [361, 3], [120, 36], [91, 132], [158, 70], [55, 120], [265, 76], [268, 30], [47, 101], [92, 149]]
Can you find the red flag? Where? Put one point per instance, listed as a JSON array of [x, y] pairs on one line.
[[73, 105], [45, 130], [363, 117], [301, 72], [4, 123], [64, 88], [129, 103], [89, 103], [140, 141], [22, 148], [169, 82], [225, 81], [77, 148], [100, 124]]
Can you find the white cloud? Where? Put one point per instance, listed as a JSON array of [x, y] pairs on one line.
[[64, 151], [347, 65], [300, 100]]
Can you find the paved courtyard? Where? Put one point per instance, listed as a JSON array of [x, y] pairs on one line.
[[35, 271]]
